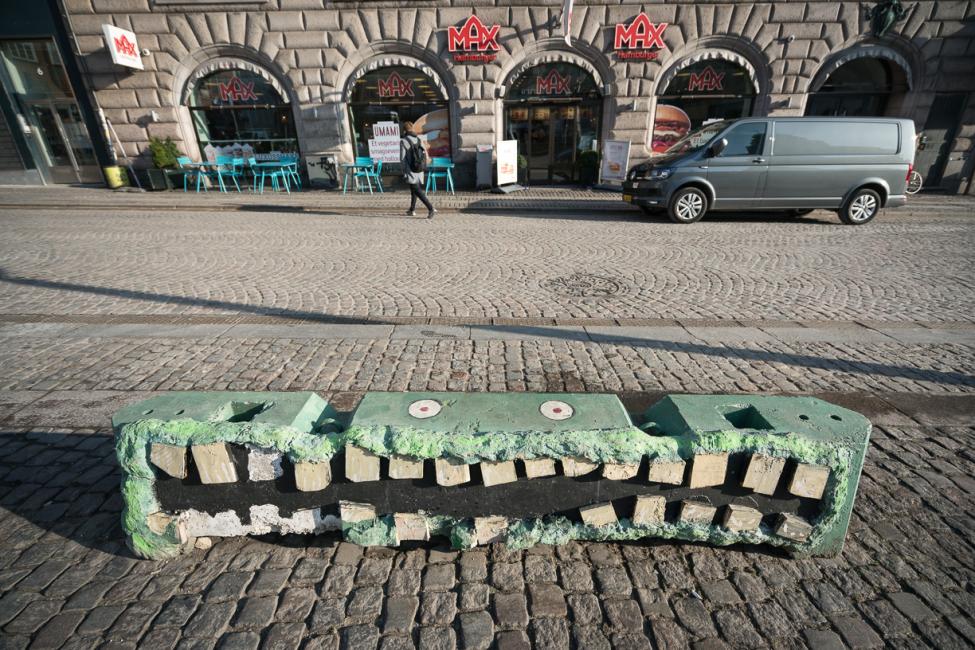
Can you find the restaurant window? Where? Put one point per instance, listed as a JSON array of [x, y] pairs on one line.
[[399, 94], [860, 88], [240, 113], [706, 91]]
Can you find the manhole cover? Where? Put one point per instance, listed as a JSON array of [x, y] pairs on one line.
[[584, 285]]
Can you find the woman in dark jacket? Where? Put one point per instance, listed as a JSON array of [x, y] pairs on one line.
[[409, 142]]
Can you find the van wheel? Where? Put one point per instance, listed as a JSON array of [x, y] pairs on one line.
[[687, 205], [861, 208]]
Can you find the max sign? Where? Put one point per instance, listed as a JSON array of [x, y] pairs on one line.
[[395, 86], [123, 47], [236, 90], [640, 39], [474, 41], [707, 80]]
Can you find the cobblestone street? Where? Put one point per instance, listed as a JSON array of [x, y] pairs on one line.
[[110, 301]]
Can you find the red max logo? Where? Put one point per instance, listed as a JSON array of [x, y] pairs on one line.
[[395, 86], [237, 91], [125, 46], [473, 35], [707, 80], [552, 84], [641, 34]]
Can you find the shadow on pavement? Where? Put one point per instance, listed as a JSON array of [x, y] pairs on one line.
[[800, 360]]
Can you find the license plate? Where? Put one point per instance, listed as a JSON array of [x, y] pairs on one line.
[[628, 198]]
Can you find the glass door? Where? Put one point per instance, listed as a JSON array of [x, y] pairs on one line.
[[61, 142], [565, 143]]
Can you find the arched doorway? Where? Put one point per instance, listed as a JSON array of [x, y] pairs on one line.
[[861, 87], [398, 94], [554, 111], [696, 92], [241, 112]]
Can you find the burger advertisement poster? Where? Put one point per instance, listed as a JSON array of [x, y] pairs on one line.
[[670, 124]]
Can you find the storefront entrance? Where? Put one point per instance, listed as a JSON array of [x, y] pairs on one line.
[[34, 77], [554, 113], [62, 140]]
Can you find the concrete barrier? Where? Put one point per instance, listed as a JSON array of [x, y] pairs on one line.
[[475, 468]]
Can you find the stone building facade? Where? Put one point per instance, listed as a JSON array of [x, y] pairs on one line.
[[319, 57]]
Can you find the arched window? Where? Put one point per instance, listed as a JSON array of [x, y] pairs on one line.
[[861, 87], [709, 90], [240, 113], [398, 94]]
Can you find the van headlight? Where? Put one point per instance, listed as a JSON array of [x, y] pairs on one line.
[[661, 173], [638, 172]]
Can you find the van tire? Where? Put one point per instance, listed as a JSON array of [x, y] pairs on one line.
[[687, 205], [862, 207]]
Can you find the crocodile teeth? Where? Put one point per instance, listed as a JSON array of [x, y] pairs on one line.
[[696, 512], [762, 474], [360, 464], [496, 473], [312, 477], [169, 458], [649, 510], [809, 481], [708, 470], [214, 463], [540, 467], [739, 518], [351, 512], [577, 466], [411, 527], [666, 471], [599, 514], [452, 472], [405, 467], [792, 527], [620, 471], [490, 529]]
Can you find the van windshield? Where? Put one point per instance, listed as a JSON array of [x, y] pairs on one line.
[[698, 138]]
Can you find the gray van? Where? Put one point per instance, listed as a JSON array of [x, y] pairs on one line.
[[852, 165]]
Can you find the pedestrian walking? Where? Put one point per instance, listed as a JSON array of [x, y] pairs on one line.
[[413, 157]]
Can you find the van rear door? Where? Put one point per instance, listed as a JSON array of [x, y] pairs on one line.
[[737, 174]]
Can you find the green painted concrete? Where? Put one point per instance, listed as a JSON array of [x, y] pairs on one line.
[[475, 427]]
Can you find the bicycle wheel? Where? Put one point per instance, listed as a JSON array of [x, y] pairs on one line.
[[914, 183]]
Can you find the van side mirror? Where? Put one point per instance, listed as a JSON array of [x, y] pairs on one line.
[[716, 148]]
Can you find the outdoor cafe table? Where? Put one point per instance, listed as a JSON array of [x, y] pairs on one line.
[[350, 169]]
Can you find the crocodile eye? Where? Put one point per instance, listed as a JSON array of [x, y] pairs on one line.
[[424, 408], [556, 410]]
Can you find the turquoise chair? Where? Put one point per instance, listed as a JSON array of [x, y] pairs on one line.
[[292, 162], [188, 171], [372, 173], [228, 167], [278, 176], [440, 168]]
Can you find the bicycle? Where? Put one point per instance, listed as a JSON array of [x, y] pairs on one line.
[[914, 182]]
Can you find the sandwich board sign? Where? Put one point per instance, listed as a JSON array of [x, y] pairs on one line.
[[616, 160], [123, 47], [507, 162]]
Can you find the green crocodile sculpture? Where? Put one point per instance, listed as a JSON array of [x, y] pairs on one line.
[[477, 468]]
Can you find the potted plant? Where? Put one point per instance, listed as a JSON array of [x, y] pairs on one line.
[[164, 157], [588, 163]]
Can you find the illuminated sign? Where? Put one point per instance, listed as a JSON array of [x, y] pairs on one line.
[[640, 39], [236, 90], [707, 80], [552, 84], [395, 86], [474, 41], [123, 47]]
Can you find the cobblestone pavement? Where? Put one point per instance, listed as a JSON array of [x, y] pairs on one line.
[[579, 265], [906, 578], [101, 306], [148, 364]]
